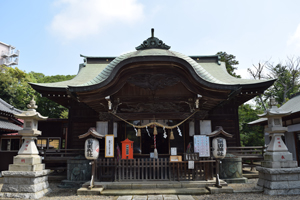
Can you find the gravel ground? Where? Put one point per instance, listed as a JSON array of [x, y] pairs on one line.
[[70, 194]]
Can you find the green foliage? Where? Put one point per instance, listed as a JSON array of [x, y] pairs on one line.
[[285, 85], [16, 91], [230, 61], [64, 114], [250, 135], [46, 106], [14, 87]]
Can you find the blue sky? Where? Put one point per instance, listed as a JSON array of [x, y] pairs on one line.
[[51, 34]]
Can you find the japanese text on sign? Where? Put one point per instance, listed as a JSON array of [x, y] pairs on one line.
[[220, 148], [201, 145], [109, 146], [89, 148]]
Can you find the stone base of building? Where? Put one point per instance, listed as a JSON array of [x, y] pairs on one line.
[[25, 184], [279, 181]]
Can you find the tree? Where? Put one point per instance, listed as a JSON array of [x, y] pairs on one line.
[[64, 114], [250, 135], [287, 76], [230, 61], [14, 87], [287, 82], [16, 91], [48, 107], [257, 73]]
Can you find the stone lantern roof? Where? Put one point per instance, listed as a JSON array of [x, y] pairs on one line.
[[31, 113]]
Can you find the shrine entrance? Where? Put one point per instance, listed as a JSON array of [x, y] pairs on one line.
[[144, 145], [162, 144]]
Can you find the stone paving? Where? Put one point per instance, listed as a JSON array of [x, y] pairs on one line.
[[156, 197]]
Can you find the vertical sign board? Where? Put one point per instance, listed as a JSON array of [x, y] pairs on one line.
[[191, 164], [201, 145], [173, 151], [205, 127], [109, 146]]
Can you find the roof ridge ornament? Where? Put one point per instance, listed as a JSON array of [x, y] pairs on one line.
[[153, 43]]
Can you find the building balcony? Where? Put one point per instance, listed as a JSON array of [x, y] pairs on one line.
[[11, 62], [6, 54], [15, 53]]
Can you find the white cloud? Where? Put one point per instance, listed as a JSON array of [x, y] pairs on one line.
[[89, 17], [295, 38]]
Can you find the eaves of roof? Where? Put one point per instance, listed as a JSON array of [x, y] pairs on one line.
[[9, 126], [6, 107]]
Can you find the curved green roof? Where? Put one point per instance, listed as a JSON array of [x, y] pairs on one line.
[[92, 74]]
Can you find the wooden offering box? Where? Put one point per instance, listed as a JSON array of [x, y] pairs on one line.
[[175, 158]]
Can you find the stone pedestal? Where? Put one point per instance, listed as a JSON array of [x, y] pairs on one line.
[[26, 178], [279, 181], [25, 184], [231, 170], [279, 160]]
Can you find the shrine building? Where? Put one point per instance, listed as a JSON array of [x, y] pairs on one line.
[[184, 95]]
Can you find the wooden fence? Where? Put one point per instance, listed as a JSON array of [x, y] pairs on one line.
[[249, 154], [153, 169]]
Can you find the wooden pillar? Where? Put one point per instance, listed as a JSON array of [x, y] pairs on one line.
[[68, 142], [197, 126], [111, 126]]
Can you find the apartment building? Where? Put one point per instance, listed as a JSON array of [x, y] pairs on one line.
[[9, 56]]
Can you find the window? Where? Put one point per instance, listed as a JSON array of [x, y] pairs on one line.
[[9, 144], [48, 143]]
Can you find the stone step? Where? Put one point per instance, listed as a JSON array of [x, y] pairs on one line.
[[154, 188], [156, 197], [215, 190], [159, 184], [156, 191], [87, 191]]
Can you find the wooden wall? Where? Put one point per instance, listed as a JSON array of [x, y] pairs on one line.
[[52, 127], [227, 117], [81, 118]]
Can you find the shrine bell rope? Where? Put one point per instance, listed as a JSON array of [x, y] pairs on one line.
[[155, 123]]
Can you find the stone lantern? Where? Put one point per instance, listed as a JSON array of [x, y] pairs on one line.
[[27, 176], [277, 155], [278, 174], [29, 133]]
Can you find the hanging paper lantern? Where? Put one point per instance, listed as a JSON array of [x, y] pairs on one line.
[[91, 149], [219, 147], [155, 131], [139, 133], [171, 135]]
